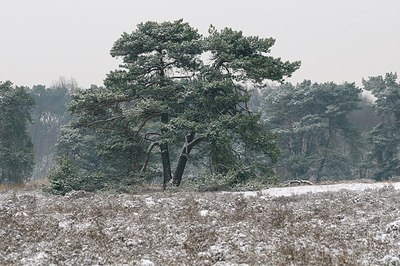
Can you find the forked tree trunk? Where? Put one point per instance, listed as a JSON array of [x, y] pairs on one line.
[[182, 160], [183, 157]]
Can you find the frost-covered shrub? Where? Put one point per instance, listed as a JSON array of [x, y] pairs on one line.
[[64, 178], [68, 177], [215, 182], [239, 178]]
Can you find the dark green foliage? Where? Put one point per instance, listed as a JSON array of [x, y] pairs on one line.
[[316, 137], [385, 136], [84, 163], [65, 177], [176, 88], [16, 150]]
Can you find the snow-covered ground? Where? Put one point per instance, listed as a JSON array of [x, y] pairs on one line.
[[297, 190], [345, 224]]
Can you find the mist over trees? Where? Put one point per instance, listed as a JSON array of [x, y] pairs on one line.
[[316, 137], [198, 109], [49, 115]]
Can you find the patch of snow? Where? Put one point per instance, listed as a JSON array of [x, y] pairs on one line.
[[288, 191], [248, 194], [391, 260], [146, 262], [393, 226], [21, 213], [203, 213], [381, 238], [76, 194], [83, 226], [64, 224], [38, 259], [149, 202]]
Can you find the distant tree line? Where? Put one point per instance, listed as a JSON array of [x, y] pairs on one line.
[[184, 107]]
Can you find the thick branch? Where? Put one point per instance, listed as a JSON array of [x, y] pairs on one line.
[[146, 136], [183, 157], [149, 150], [145, 122], [180, 77], [194, 143], [102, 121]]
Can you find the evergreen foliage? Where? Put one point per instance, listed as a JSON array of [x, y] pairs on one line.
[[316, 137], [16, 149], [177, 88], [385, 136]]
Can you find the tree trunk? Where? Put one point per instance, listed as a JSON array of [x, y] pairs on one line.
[[183, 157], [325, 152], [182, 160], [165, 153], [320, 168]]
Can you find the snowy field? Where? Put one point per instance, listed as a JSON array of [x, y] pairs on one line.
[[344, 224]]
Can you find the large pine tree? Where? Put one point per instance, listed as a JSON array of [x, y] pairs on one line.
[[176, 87]]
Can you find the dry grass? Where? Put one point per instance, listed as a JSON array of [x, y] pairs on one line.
[[341, 228], [31, 185]]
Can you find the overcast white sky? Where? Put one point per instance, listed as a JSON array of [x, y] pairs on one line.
[[336, 40]]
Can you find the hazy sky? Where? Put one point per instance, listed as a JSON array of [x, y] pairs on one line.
[[336, 40]]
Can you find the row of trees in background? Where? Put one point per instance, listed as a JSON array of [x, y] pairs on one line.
[[200, 107], [49, 115], [31, 120], [312, 121]]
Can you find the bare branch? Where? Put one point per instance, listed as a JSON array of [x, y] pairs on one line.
[[181, 77], [146, 136], [237, 154], [194, 143], [149, 150]]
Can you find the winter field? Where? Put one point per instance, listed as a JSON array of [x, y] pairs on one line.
[[345, 224]]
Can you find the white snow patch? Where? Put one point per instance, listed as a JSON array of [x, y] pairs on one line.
[[21, 214], [391, 260], [288, 191], [64, 224], [146, 262], [248, 194], [83, 226], [203, 213], [37, 259], [393, 226], [149, 202]]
